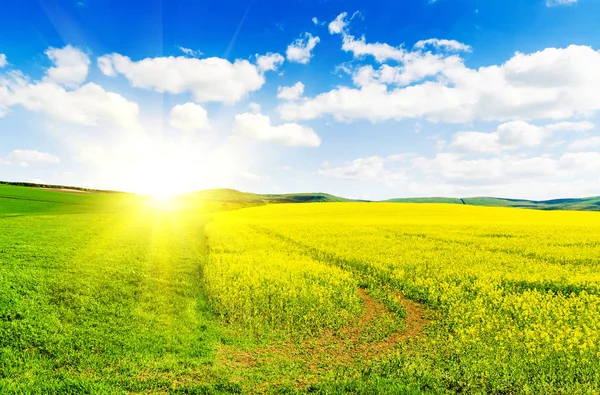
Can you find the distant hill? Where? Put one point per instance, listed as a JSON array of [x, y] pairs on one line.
[[232, 195], [425, 200], [582, 204], [57, 187], [28, 198], [230, 198]]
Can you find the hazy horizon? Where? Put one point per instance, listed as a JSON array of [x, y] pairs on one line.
[[366, 101]]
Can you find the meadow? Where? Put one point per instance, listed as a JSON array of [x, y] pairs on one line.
[[110, 293]]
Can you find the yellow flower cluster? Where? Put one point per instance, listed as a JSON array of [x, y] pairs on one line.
[[512, 288], [263, 283]]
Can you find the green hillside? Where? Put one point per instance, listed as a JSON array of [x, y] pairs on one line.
[[232, 195], [583, 204], [425, 200], [54, 199], [19, 200]]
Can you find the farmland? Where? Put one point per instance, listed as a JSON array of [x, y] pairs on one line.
[[106, 293]]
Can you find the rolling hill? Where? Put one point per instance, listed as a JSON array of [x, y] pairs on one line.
[[232, 195], [20, 199], [81, 199], [582, 204]]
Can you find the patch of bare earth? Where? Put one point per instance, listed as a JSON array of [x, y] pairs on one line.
[[373, 335]]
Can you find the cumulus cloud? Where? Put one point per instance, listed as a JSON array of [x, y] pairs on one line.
[[451, 45], [511, 135], [258, 127], [25, 158], [209, 79], [338, 24], [60, 95], [451, 174], [269, 62], [71, 66], [454, 168], [555, 83], [589, 143], [380, 51], [373, 168], [189, 117], [415, 67], [300, 51], [86, 105], [3, 61], [290, 92], [552, 3]]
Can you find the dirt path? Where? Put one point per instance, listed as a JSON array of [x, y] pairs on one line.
[[373, 335]]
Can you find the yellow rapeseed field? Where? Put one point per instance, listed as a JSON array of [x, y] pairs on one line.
[[515, 293]]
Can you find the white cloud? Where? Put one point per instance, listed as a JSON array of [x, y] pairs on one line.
[[556, 83], [415, 67], [338, 24], [582, 126], [386, 170], [592, 143], [511, 135], [453, 168], [258, 127], [208, 79], [190, 52], [189, 117], [105, 65], [437, 43], [59, 95], [3, 61], [380, 51], [359, 169], [25, 158], [551, 3], [315, 20], [71, 66], [269, 62], [450, 174], [300, 50], [290, 92], [383, 51], [86, 105]]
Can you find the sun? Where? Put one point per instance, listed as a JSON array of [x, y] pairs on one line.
[[163, 172], [165, 203], [164, 167]]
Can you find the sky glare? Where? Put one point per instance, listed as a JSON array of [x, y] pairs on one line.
[[370, 100]]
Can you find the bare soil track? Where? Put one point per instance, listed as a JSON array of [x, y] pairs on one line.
[[360, 342]]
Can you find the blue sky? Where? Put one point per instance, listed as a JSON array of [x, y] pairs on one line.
[[361, 99]]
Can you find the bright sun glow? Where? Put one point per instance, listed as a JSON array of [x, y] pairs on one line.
[[164, 169], [165, 173], [154, 162], [167, 203]]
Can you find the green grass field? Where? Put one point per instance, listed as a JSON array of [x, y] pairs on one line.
[[108, 293], [104, 301]]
